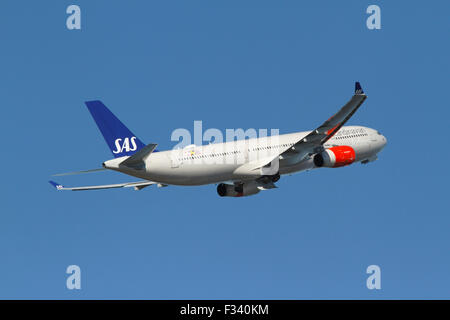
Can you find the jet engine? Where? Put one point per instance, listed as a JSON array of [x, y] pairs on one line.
[[240, 190], [335, 157]]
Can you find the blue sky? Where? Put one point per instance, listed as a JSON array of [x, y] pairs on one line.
[[232, 64]]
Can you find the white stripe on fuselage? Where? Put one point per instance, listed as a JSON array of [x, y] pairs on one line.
[[213, 163]]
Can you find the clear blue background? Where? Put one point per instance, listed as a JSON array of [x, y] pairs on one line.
[[161, 65]]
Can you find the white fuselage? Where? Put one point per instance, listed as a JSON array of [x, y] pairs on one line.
[[235, 161]]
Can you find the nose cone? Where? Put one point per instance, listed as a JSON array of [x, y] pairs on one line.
[[382, 142]]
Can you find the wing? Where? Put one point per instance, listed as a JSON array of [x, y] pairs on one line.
[[137, 186], [314, 140]]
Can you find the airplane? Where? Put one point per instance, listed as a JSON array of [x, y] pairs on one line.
[[239, 168]]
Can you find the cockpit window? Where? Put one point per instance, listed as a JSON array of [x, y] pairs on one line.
[[379, 133]]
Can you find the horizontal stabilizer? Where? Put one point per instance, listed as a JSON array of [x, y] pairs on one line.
[[79, 172], [137, 186], [137, 160]]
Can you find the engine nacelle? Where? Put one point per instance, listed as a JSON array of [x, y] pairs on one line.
[[229, 190], [335, 157]]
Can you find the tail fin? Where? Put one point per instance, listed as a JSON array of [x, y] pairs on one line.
[[118, 137]]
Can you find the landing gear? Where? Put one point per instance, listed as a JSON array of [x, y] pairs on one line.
[[271, 178], [275, 177]]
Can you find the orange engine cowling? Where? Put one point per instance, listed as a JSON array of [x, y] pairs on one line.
[[335, 157]]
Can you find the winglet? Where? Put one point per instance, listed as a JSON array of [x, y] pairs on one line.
[[358, 89], [56, 185]]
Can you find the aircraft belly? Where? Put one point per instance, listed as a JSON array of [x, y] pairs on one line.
[[192, 174]]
